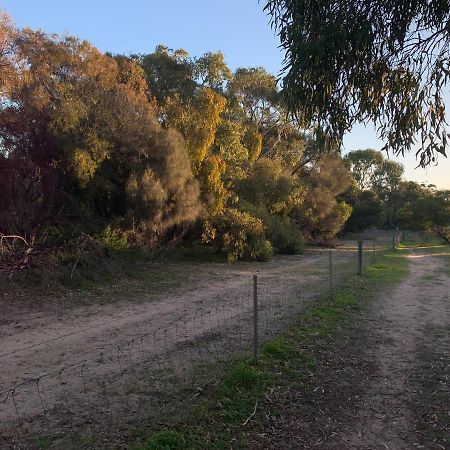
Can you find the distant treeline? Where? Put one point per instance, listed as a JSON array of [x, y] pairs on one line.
[[132, 152]]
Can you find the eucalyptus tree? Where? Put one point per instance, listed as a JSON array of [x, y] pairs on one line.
[[385, 61], [372, 171]]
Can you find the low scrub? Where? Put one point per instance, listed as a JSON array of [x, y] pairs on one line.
[[239, 236], [284, 235]]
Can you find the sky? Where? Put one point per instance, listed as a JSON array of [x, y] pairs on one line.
[[238, 28]]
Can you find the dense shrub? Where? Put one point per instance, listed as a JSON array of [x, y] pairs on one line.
[[113, 239], [368, 211], [238, 235], [283, 235], [110, 157], [81, 143]]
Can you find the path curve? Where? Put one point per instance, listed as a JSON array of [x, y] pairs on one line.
[[401, 318]]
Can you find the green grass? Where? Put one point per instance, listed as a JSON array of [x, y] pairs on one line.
[[217, 421], [105, 279], [42, 443], [165, 440], [107, 282], [420, 240]]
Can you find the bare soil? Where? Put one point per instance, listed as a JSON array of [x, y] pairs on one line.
[[39, 337], [73, 362], [384, 384], [66, 363]]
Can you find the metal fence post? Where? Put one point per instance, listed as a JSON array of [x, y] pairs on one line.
[[393, 241], [255, 318], [374, 252], [330, 266], [360, 257]]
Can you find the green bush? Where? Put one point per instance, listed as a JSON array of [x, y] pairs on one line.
[[113, 239], [283, 234], [239, 236], [165, 440]]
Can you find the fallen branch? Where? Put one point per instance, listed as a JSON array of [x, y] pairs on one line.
[[251, 415], [14, 258], [13, 236]]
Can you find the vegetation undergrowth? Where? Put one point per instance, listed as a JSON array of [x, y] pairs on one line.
[[219, 420], [421, 241]]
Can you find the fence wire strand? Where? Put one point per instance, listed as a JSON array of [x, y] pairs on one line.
[[143, 378]]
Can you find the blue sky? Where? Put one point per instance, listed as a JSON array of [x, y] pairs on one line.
[[238, 28]]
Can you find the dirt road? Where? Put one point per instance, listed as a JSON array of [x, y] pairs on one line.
[[385, 382], [403, 320], [82, 363], [37, 341]]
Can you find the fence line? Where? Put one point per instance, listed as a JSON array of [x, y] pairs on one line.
[[91, 400]]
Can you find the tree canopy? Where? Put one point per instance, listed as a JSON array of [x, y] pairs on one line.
[[372, 171], [140, 147], [135, 151], [80, 139], [429, 211], [349, 61]]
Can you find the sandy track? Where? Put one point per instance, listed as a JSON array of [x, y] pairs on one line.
[[88, 362], [381, 382], [66, 368], [49, 341], [402, 320]]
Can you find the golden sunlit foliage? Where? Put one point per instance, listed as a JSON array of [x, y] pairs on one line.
[[137, 150], [85, 121], [197, 121]]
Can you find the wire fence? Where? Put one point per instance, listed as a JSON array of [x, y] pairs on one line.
[[97, 399]]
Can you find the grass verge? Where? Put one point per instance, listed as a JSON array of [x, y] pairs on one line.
[[219, 420]]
